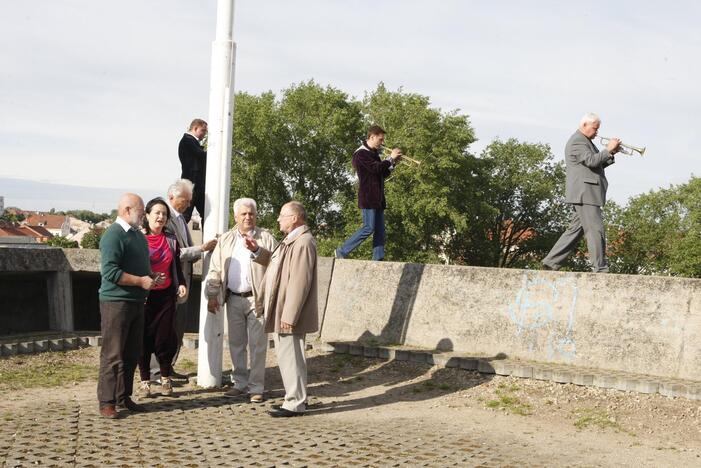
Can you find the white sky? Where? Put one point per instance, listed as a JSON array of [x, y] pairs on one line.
[[98, 93]]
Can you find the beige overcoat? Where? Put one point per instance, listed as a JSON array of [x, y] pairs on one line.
[[290, 290], [217, 277]]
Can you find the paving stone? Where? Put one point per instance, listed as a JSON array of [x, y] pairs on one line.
[[443, 360], [693, 392], [95, 340], [522, 370], [605, 381], [324, 347], [561, 376], [70, 343], [673, 390], [542, 373], [25, 347], [83, 341], [370, 351], [341, 348], [582, 378], [56, 344], [418, 356], [647, 386], [397, 354], [502, 367], [9, 349], [468, 363], [41, 346], [191, 343], [485, 367]]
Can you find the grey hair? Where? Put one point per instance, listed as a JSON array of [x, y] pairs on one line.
[[589, 117], [298, 209], [249, 202], [177, 188]]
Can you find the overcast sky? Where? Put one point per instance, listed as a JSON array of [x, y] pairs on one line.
[[98, 93]]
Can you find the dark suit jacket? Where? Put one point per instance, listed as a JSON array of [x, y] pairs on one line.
[[372, 173], [586, 181], [193, 159]]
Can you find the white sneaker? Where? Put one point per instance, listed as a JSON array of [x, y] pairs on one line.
[[166, 386], [144, 390]]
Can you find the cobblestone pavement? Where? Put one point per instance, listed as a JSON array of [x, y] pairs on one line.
[[206, 429]]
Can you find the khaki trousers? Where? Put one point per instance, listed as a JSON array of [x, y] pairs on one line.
[[246, 336], [293, 369]]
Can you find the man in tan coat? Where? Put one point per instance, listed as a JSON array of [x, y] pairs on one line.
[[290, 302], [235, 280]]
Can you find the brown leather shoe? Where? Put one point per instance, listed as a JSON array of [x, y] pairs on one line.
[[109, 412]]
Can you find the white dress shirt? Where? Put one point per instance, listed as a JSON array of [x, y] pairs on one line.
[[239, 274]]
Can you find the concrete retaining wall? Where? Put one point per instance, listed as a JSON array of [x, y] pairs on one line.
[[642, 324]]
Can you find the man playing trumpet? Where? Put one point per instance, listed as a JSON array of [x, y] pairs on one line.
[[372, 172], [585, 190]]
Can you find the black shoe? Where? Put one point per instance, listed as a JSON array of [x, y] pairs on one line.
[[133, 407], [276, 407], [284, 413]]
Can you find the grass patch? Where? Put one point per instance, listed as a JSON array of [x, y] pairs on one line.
[[597, 417], [47, 370], [510, 403], [187, 366]]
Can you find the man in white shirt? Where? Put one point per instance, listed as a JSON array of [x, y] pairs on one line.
[[233, 279]]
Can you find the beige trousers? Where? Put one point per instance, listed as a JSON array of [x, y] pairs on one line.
[[293, 369]]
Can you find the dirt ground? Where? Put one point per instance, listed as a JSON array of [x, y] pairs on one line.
[[569, 424]]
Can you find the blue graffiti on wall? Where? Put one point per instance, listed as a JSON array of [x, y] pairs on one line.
[[544, 313]]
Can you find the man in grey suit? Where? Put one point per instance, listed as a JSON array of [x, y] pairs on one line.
[[585, 190], [179, 199]]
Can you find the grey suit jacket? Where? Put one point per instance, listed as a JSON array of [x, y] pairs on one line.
[[586, 181], [189, 253]]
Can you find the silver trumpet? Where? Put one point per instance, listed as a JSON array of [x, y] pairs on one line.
[[625, 149]]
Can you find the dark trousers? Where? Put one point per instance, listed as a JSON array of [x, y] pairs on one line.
[[159, 333], [197, 202], [586, 221], [180, 326], [122, 328]]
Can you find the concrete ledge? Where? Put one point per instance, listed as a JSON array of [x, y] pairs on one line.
[[628, 323], [564, 374]]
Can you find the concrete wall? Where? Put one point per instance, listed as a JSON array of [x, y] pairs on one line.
[[641, 324]]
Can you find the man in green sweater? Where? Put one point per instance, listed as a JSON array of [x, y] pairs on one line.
[[126, 281]]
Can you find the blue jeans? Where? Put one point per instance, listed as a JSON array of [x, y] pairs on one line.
[[373, 223]]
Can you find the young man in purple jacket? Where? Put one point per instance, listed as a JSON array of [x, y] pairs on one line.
[[372, 172]]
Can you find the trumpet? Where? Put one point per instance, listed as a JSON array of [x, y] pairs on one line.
[[625, 149], [412, 162]]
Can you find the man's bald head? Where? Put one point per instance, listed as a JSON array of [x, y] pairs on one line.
[[131, 209]]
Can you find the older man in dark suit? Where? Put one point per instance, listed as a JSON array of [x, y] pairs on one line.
[[586, 191], [372, 172], [193, 159]]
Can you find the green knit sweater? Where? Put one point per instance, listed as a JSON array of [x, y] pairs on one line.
[[123, 252]]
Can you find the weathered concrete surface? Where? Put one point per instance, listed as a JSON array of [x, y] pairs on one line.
[[324, 272], [640, 324]]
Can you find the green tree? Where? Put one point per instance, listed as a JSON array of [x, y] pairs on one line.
[[12, 218], [430, 205], [294, 148], [659, 233], [88, 216], [63, 242], [91, 239], [521, 209]]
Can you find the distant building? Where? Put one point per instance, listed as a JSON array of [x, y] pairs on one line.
[[58, 225], [2, 206]]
